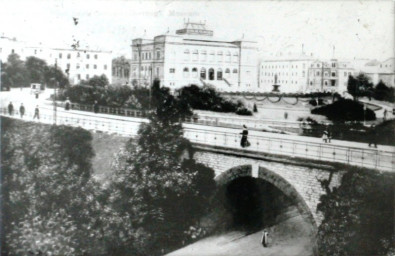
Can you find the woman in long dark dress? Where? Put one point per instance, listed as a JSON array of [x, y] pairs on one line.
[[244, 138]]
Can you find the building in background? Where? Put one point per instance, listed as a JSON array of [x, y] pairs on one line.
[[193, 56], [380, 71], [289, 72], [120, 71], [78, 65]]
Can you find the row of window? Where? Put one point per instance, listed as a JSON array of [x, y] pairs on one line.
[[281, 66], [219, 55], [280, 81], [326, 83], [326, 74], [78, 55], [203, 73], [284, 73], [86, 76], [86, 66]]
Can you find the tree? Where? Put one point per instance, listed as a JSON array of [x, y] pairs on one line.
[[53, 75], [358, 215], [97, 81], [14, 73], [154, 172], [46, 183], [36, 69], [359, 86], [383, 92]]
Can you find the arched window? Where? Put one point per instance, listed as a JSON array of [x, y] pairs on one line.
[[220, 56], [195, 55], [227, 73], [317, 73], [186, 54], [194, 72], [186, 72], [326, 82], [203, 73], [326, 74], [211, 74], [228, 57], [204, 55], [311, 82], [235, 71], [219, 74], [235, 57]]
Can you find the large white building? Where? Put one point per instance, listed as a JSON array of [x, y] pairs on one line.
[[380, 71], [289, 73], [193, 56], [80, 64]]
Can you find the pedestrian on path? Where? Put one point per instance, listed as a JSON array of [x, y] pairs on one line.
[[22, 110], [67, 104], [244, 138], [372, 136], [325, 136], [385, 114], [265, 237], [36, 95], [10, 109], [36, 113], [96, 107]]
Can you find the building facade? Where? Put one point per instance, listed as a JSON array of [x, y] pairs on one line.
[[120, 71], [380, 71], [289, 74], [76, 64], [194, 56], [305, 74]]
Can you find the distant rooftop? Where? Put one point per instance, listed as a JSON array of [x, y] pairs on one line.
[[194, 28]]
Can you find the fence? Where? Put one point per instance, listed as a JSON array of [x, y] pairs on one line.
[[364, 157]]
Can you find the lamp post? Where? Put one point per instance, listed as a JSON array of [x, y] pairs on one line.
[[55, 88]]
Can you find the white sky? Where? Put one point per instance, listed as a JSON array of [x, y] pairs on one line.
[[362, 29]]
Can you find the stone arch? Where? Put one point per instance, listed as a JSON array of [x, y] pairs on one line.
[[275, 179]]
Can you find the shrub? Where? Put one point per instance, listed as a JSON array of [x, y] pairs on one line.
[[313, 102], [345, 110], [243, 111]]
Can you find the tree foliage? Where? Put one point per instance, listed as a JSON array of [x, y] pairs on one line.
[[345, 110], [169, 192], [18, 73], [359, 86], [207, 98], [358, 215], [383, 92], [46, 181]]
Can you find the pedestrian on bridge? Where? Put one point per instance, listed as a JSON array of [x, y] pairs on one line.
[[96, 107], [67, 105], [22, 110], [36, 113], [372, 136], [244, 138], [10, 109]]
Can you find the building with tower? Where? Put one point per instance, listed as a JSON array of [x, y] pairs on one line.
[[192, 55]]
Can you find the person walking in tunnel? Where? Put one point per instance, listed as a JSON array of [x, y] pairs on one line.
[[244, 138], [22, 110], [265, 236]]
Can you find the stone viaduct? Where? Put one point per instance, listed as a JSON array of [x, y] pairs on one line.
[[300, 179]]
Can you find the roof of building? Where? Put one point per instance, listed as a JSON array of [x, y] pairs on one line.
[[194, 28]]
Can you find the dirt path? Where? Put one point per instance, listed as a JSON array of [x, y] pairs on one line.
[[290, 237]]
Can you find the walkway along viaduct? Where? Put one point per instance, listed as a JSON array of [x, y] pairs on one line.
[[303, 170]]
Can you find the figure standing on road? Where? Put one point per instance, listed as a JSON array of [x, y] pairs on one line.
[[372, 136], [385, 114], [244, 138], [325, 136], [67, 104], [285, 115], [10, 109], [265, 236], [36, 95], [36, 113], [96, 107], [22, 110]]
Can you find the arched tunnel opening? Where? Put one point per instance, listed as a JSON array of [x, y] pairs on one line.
[[253, 203]]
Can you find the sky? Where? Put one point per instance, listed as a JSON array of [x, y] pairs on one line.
[[357, 29]]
